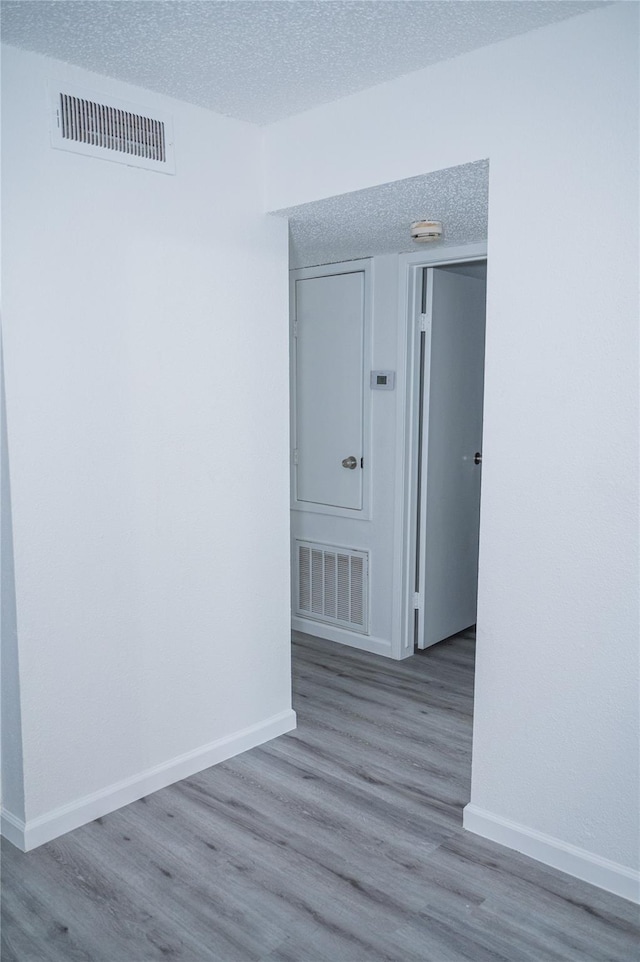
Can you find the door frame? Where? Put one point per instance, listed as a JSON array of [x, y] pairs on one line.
[[327, 270], [411, 268]]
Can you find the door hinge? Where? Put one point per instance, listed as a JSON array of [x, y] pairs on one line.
[[424, 322], [417, 601], [295, 328], [295, 455]]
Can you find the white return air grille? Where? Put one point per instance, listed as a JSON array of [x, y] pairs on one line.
[[114, 131], [332, 585]]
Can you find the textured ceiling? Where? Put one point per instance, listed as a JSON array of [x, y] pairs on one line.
[[261, 60], [376, 220]]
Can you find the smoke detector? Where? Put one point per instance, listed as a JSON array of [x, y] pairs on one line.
[[423, 231]]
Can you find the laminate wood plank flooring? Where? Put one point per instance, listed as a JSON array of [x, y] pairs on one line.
[[339, 842]]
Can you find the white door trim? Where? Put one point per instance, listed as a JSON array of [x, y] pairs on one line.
[[406, 455], [345, 267]]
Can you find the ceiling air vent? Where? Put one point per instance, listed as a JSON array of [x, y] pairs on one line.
[[117, 131]]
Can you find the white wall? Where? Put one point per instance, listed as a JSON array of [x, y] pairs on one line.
[[11, 770], [145, 337], [556, 112]]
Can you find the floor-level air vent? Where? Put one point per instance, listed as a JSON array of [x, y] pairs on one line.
[[332, 585], [124, 133]]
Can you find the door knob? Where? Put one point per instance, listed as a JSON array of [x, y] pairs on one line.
[[477, 458], [350, 462]]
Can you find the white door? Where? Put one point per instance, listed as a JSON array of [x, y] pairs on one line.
[[449, 512], [328, 422]]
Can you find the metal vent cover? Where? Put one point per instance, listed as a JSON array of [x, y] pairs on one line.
[[125, 133], [332, 585]]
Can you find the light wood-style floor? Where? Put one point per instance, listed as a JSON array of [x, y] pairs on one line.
[[339, 842]]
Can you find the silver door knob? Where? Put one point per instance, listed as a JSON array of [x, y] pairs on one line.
[[350, 462]]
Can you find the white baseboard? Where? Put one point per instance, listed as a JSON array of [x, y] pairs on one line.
[[575, 861], [13, 829], [28, 835], [376, 646]]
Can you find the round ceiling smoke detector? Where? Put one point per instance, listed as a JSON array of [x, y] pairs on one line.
[[423, 231]]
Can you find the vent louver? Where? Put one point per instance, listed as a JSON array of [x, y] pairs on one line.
[[332, 585], [90, 123], [114, 131]]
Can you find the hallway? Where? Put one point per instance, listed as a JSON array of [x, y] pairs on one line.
[[340, 842]]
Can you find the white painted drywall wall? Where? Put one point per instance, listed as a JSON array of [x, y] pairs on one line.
[[556, 112], [11, 769], [146, 341]]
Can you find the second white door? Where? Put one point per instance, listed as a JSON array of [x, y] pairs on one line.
[[450, 454]]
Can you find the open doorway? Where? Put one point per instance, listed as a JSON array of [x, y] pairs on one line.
[[364, 540], [448, 405]]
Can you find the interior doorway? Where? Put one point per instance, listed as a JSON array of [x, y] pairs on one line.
[[445, 389], [339, 552], [369, 532]]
